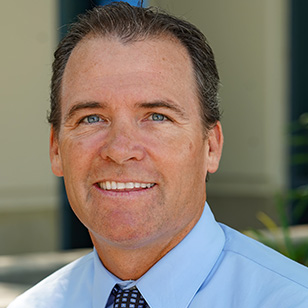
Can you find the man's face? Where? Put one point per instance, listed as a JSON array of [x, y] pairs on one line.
[[131, 145]]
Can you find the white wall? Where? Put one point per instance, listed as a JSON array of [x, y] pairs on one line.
[[27, 186]]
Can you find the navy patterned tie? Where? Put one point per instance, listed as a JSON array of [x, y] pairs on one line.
[[130, 298]]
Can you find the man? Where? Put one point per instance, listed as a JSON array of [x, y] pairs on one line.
[[134, 132]]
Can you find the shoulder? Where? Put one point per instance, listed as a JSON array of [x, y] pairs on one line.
[[249, 274], [52, 291], [260, 257]]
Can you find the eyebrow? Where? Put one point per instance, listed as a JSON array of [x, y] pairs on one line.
[[81, 106], [144, 105], [163, 104]]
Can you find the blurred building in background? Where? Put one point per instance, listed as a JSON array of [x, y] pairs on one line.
[[260, 49]]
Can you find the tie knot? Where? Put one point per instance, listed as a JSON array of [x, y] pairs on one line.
[[130, 298]]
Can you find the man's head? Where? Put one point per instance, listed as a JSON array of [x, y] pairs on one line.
[[129, 24], [131, 144]]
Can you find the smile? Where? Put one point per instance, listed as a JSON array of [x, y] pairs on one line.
[[112, 185]]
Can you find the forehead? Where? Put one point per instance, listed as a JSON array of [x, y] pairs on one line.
[[102, 65]]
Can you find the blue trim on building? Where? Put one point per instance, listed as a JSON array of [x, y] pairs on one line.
[[131, 2]]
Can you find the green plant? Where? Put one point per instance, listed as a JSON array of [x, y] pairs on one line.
[[278, 235]]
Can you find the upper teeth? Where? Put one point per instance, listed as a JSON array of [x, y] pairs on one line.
[[119, 185]]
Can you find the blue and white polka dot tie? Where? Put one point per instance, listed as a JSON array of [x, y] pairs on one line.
[[130, 298]]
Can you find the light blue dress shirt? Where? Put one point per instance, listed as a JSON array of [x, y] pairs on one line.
[[214, 266]]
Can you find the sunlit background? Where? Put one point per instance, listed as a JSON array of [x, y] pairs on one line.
[[261, 50]]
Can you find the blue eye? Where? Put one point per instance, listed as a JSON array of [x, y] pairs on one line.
[[158, 117], [92, 119]]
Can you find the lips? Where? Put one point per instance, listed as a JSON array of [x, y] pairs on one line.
[[113, 185]]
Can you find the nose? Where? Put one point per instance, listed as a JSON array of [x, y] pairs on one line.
[[122, 145]]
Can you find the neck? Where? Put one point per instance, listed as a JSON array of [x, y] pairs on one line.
[[130, 263]]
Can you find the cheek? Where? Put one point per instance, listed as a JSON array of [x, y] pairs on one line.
[[182, 164], [77, 153], [188, 163], [183, 151], [169, 141]]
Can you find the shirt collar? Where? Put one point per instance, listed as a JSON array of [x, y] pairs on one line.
[[103, 283], [175, 279]]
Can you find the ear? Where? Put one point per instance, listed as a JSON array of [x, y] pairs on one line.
[[215, 144], [54, 153]]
